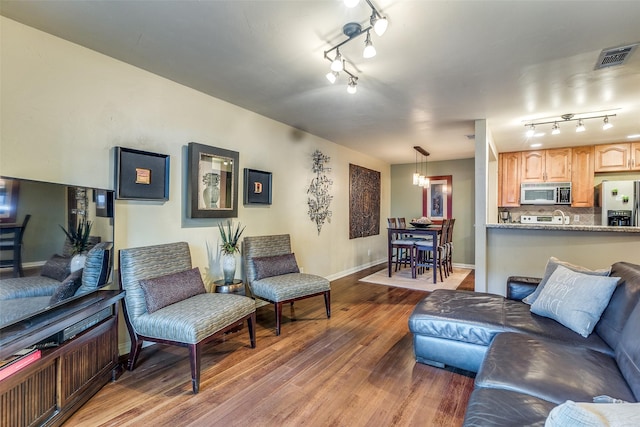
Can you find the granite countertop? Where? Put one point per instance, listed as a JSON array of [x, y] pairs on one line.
[[578, 227]]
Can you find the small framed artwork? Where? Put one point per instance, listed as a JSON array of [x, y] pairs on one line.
[[213, 182], [257, 187], [436, 199], [141, 175]]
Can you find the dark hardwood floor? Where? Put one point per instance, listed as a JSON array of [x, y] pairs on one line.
[[355, 369]]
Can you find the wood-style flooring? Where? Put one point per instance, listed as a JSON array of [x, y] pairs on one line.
[[355, 369]]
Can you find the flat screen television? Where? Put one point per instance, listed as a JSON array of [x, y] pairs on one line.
[[51, 206]]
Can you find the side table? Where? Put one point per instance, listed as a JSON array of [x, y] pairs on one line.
[[237, 287]]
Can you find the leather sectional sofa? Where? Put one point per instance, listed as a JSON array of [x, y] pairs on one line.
[[527, 364]]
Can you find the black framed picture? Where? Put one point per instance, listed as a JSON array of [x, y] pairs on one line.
[[257, 187], [213, 182], [141, 175], [104, 202]]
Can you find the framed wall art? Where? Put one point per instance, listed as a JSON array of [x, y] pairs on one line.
[[141, 175], [364, 202], [436, 199], [257, 187], [213, 182]]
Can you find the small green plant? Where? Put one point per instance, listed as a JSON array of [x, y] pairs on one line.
[[78, 237], [230, 236]]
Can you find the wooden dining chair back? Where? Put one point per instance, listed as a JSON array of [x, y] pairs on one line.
[[450, 245], [426, 256], [11, 247], [442, 247]]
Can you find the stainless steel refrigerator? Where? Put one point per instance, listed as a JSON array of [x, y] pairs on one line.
[[618, 203]]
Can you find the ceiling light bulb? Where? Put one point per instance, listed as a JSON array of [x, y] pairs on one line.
[[580, 127], [352, 88], [416, 177], [421, 180], [337, 64], [369, 49], [332, 76], [531, 131], [555, 130], [606, 124], [380, 25], [351, 3]]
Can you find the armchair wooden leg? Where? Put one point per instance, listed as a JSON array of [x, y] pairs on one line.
[[327, 303], [136, 346], [278, 309], [194, 359], [251, 325]]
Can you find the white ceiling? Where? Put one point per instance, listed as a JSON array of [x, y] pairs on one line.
[[440, 66]]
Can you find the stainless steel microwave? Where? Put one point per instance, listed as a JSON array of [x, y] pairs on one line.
[[545, 193]]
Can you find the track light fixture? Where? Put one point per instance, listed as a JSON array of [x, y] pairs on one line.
[[352, 30], [332, 76], [580, 127]]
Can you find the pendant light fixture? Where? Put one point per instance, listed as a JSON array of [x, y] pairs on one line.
[[422, 180], [416, 175], [369, 49], [337, 64]]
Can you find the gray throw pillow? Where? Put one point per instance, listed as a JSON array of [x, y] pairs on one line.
[[162, 291], [576, 300], [97, 267], [56, 267], [276, 265], [68, 287], [552, 264]]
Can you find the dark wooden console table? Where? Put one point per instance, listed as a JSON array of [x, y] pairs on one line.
[[52, 388]]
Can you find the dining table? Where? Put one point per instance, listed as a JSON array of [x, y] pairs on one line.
[[432, 230]]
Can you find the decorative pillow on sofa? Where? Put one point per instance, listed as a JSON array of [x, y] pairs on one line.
[[56, 267], [162, 291], [580, 414], [97, 267], [576, 300], [269, 266], [68, 287], [552, 264]]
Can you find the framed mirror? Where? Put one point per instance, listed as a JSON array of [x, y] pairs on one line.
[[213, 182], [45, 250]]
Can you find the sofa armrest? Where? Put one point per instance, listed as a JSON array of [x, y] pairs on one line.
[[519, 287]]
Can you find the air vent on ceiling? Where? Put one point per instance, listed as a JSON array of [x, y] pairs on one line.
[[615, 56]]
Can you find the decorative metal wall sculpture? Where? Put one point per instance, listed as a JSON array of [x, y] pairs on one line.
[[320, 199], [364, 202]]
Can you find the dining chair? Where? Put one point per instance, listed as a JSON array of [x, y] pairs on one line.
[[425, 256], [443, 251], [402, 247], [11, 242]]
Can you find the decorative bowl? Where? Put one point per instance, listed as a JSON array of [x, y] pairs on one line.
[[419, 224]]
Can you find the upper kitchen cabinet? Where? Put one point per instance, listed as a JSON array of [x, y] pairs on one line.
[[617, 157], [582, 165], [509, 179], [546, 165]]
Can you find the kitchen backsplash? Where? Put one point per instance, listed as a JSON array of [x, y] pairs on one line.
[[578, 216]]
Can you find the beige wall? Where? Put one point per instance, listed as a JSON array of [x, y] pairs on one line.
[[65, 107], [406, 200]]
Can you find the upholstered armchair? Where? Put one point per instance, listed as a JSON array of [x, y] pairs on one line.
[[166, 302], [272, 274]]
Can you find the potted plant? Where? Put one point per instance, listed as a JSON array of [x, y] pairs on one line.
[[79, 239], [230, 237]]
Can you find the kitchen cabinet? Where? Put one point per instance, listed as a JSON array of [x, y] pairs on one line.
[[546, 165], [617, 157], [509, 179], [582, 172]]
